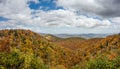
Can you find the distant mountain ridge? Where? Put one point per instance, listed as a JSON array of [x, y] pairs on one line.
[[88, 36]]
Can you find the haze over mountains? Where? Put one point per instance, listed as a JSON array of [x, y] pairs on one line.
[[87, 35], [82, 35]]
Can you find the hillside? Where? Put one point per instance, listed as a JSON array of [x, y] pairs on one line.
[[29, 46], [25, 49], [71, 43], [87, 49], [52, 38]]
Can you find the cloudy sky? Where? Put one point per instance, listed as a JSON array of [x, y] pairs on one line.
[[61, 16]]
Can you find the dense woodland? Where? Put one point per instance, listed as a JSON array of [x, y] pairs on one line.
[[24, 49]]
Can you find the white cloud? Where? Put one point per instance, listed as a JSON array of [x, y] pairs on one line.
[[104, 8], [67, 18], [116, 22], [79, 4], [21, 16], [14, 9], [84, 6]]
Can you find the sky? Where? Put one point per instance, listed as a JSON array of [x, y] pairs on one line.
[[61, 16]]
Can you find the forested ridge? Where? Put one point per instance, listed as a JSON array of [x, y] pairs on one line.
[[25, 49]]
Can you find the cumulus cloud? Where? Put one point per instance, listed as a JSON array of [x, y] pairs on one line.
[[116, 22], [19, 12], [71, 19], [104, 8], [14, 7], [20, 15], [16, 10]]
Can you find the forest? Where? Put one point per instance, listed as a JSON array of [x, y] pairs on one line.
[[25, 49]]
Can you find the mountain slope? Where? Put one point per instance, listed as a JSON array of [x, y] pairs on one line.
[[26, 49], [106, 46], [85, 49], [71, 43], [28, 42]]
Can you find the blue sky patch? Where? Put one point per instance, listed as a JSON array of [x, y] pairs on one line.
[[3, 19], [44, 5]]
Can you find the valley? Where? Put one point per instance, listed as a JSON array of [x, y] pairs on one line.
[[25, 49]]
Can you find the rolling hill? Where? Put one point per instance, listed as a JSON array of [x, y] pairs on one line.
[[29, 50]]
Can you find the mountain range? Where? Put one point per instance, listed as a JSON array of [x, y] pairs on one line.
[[87, 36], [25, 49]]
